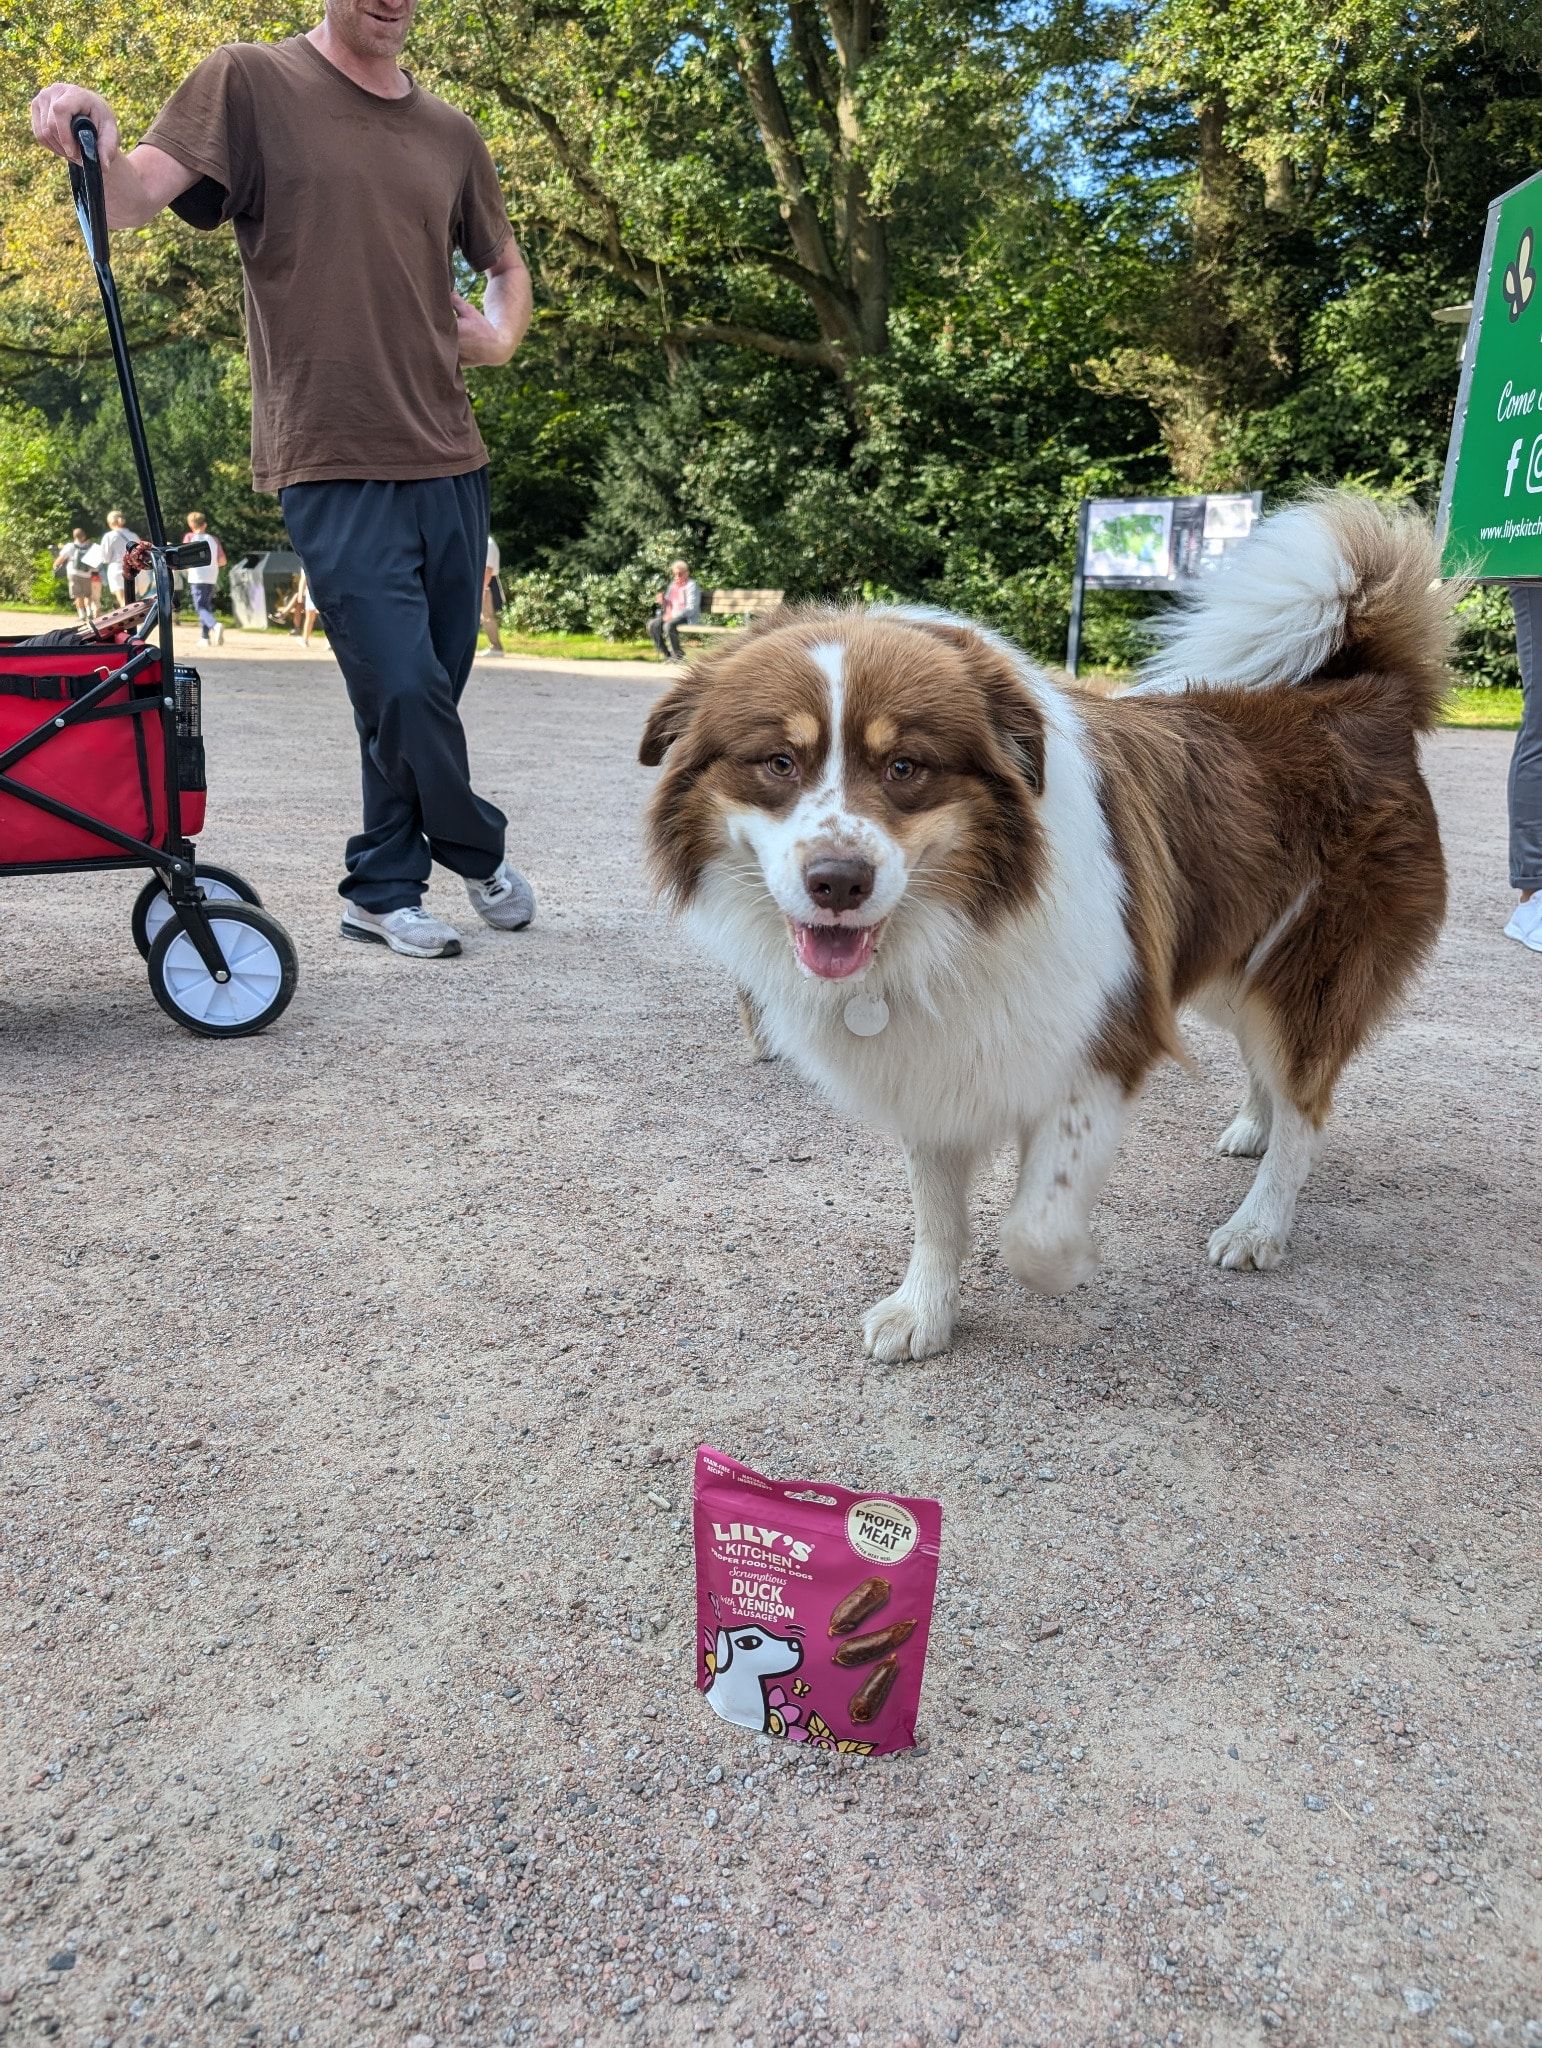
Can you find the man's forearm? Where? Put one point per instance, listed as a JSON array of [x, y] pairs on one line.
[[129, 205], [507, 305], [140, 182]]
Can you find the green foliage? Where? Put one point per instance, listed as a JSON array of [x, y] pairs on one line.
[[198, 405], [1485, 655], [35, 509], [572, 599]]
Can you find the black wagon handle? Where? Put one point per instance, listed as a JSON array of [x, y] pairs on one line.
[[86, 184], [91, 208]]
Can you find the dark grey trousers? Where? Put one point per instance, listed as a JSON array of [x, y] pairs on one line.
[[395, 570], [1526, 761]]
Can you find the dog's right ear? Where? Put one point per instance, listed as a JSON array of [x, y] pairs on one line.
[[668, 720], [725, 1653]]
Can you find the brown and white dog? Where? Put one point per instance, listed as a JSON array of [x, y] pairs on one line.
[[968, 903]]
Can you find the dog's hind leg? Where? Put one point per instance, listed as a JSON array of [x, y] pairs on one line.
[[1247, 1135], [1046, 1240], [1257, 1234], [1311, 1001], [918, 1318], [1291, 1119]]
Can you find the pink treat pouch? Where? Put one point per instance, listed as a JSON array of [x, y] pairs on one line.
[[813, 1606]]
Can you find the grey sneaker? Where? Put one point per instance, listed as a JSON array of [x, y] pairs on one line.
[[505, 900], [410, 930]]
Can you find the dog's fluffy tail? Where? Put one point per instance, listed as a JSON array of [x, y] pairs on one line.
[[1335, 584]]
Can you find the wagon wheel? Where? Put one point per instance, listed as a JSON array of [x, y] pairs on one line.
[[262, 964], [152, 906]]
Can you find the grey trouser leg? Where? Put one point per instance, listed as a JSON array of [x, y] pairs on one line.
[[1526, 761], [395, 570]]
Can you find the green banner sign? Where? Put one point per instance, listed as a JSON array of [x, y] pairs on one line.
[[1490, 521]]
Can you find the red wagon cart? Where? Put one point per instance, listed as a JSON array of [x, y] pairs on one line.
[[101, 755]]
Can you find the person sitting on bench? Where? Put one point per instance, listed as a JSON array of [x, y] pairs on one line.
[[679, 605]]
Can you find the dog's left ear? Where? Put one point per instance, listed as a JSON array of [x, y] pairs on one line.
[[668, 720], [725, 1652], [1012, 710]]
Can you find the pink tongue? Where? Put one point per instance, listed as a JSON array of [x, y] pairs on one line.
[[833, 951]]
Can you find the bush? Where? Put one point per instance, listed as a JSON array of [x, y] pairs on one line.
[[619, 605], [564, 599], [1485, 653], [35, 510], [542, 601]]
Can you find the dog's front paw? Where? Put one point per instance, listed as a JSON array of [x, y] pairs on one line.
[[1241, 1246], [908, 1325], [1048, 1268], [1245, 1137]]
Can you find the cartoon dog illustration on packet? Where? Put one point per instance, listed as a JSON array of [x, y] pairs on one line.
[[740, 1659]]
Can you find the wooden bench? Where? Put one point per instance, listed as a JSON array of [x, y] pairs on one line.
[[733, 604]]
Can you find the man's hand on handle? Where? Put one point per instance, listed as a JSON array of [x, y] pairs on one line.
[[139, 183], [56, 106]]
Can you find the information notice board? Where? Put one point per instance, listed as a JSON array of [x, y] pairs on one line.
[[1154, 544], [1490, 520]]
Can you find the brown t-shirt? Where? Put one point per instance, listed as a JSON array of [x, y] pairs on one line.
[[347, 209]]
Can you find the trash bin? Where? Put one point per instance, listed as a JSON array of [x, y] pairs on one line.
[[258, 582]]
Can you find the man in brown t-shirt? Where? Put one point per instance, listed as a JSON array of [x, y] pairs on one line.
[[350, 190]]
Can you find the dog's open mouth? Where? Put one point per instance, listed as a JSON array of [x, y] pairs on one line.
[[834, 951]]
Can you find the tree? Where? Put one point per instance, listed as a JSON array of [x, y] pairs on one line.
[[1267, 161], [770, 174], [174, 284]]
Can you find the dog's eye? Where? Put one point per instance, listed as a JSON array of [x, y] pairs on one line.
[[749, 1642], [903, 770], [783, 765]]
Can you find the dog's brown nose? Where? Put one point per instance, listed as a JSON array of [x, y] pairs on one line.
[[839, 883]]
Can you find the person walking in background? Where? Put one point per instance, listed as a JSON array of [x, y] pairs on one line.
[[334, 165], [678, 606], [73, 559], [1526, 772], [201, 581], [115, 544], [492, 600]]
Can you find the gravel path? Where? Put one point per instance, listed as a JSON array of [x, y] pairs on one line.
[[351, 1379]]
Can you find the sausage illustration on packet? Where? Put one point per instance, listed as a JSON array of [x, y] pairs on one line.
[[814, 1606]]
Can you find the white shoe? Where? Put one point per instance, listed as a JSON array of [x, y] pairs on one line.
[[505, 900], [491, 654], [410, 930], [1526, 924]]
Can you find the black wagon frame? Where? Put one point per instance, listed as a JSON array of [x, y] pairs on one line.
[[176, 696]]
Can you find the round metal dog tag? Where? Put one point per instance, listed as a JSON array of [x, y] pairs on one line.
[[866, 1016]]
